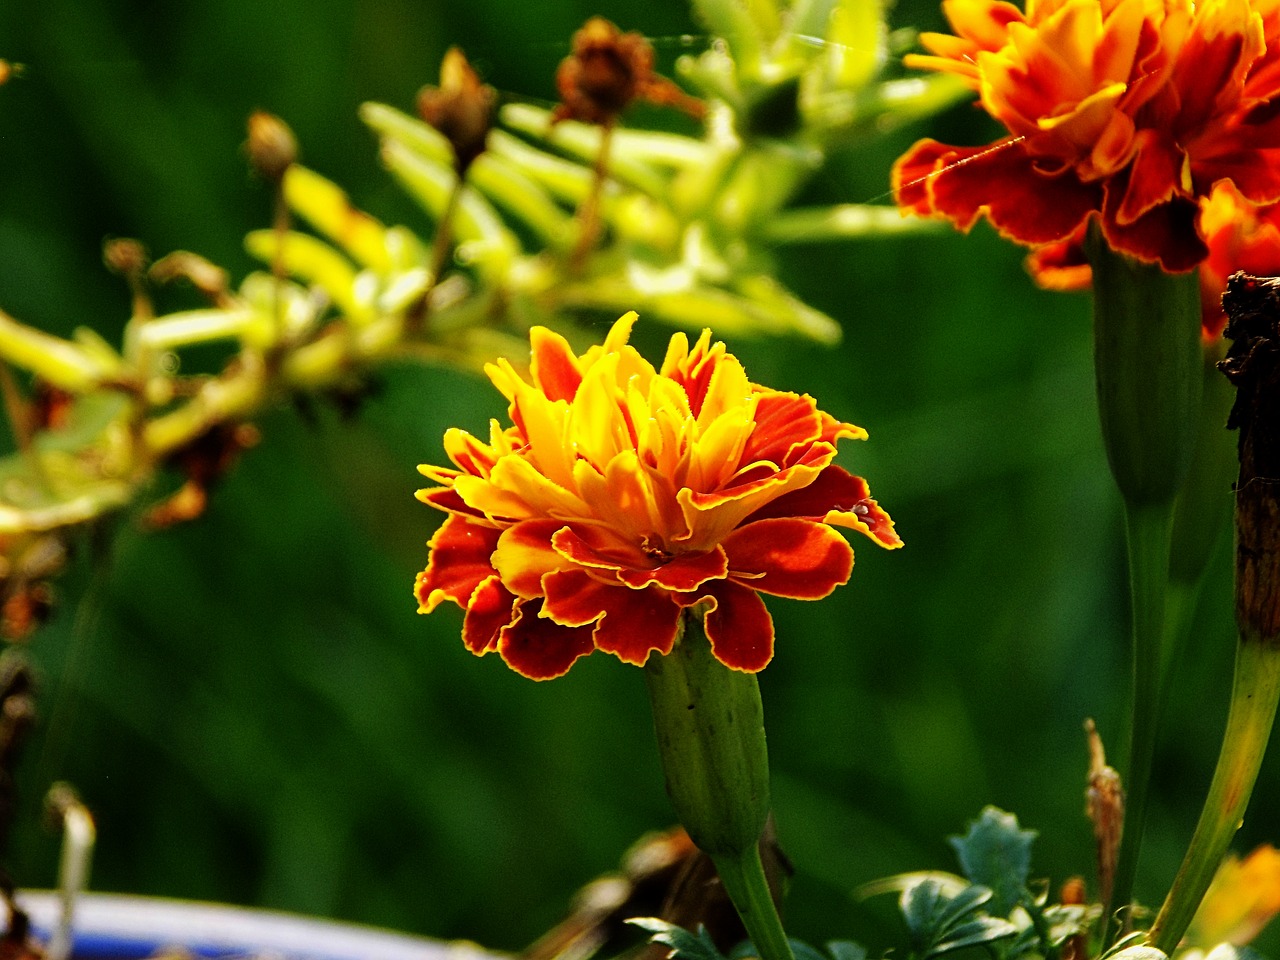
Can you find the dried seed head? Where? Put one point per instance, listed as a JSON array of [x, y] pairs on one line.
[[461, 108], [1104, 804], [125, 257], [607, 71], [272, 146]]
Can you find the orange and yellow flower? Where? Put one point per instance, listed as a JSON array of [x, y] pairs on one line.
[[1242, 899], [1126, 112], [622, 495]]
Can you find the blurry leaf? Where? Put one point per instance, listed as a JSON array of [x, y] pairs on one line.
[[685, 945], [327, 208], [846, 950], [949, 883], [582, 140], [313, 261], [997, 854], [855, 38], [937, 924], [729, 19]]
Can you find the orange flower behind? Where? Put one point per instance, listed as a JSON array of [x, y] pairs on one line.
[[1127, 112], [623, 495]]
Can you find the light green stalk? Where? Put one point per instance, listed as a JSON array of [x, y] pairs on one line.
[[710, 727]]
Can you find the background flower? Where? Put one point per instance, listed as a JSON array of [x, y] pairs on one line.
[[623, 495], [1120, 111]]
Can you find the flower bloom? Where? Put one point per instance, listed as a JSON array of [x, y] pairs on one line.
[[1238, 235], [1127, 112], [622, 495]]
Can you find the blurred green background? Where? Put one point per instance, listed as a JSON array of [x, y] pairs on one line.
[[250, 703]]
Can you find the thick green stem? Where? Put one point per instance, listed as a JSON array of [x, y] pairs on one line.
[[1148, 531], [1148, 361], [1253, 708], [710, 727]]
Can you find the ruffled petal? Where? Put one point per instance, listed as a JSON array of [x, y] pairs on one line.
[[490, 608], [524, 555], [739, 628], [541, 649], [630, 624], [799, 559], [458, 563]]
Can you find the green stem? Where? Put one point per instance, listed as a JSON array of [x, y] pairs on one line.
[[709, 723], [1148, 532], [745, 882], [1254, 695], [1149, 367]]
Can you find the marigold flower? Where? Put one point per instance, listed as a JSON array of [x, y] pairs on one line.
[[1127, 112], [622, 495]]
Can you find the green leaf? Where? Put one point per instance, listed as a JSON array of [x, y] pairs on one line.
[[997, 854], [856, 41], [974, 933], [846, 950], [731, 20], [684, 945], [937, 924]]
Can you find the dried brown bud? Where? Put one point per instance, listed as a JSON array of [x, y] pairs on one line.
[[272, 146], [1104, 804], [607, 71], [1252, 365], [461, 108], [125, 257]]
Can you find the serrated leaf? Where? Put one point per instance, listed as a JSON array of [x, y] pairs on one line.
[[997, 854], [684, 945]]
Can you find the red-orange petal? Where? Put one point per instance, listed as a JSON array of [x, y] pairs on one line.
[[458, 563], [553, 367], [739, 628], [1166, 234], [630, 624], [682, 573], [911, 175], [541, 649], [835, 488], [645, 623], [1153, 178], [799, 559], [783, 422], [491, 608], [1002, 182]]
